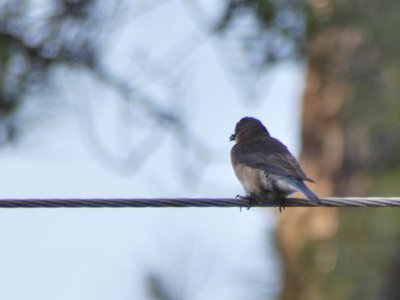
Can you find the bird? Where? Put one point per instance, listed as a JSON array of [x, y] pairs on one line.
[[264, 165]]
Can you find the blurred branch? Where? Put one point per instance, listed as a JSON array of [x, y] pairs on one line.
[[163, 117], [39, 38], [252, 36], [172, 59]]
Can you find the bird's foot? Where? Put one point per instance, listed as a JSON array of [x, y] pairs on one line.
[[250, 198], [281, 204], [253, 200], [271, 196]]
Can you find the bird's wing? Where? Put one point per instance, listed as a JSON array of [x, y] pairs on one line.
[[271, 156]]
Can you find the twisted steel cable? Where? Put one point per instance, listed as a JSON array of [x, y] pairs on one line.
[[198, 202]]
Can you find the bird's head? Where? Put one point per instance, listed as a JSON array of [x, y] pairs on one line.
[[249, 128]]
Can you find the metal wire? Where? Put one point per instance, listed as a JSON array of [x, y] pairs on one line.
[[198, 202]]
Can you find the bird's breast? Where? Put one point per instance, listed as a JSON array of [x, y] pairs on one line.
[[251, 179]]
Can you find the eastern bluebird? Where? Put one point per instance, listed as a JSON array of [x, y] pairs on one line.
[[264, 165]]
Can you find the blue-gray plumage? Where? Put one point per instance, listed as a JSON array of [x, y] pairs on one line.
[[264, 165]]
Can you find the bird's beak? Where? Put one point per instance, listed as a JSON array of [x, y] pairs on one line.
[[233, 137]]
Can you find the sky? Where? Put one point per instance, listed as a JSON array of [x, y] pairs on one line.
[[100, 254]]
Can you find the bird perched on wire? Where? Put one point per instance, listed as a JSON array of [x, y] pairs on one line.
[[264, 165]]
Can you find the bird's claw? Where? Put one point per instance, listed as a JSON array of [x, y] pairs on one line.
[[281, 204], [251, 199]]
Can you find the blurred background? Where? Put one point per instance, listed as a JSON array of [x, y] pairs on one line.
[[139, 98]]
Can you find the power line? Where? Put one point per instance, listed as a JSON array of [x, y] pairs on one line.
[[197, 202]]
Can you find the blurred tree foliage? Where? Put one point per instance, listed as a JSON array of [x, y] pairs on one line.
[[352, 47], [39, 37], [351, 140], [277, 28], [33, 40]]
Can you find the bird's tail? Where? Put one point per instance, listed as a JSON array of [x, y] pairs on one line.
[[301, 187]]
